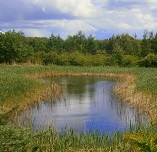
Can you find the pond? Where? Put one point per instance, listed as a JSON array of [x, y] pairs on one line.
[[88, 104]]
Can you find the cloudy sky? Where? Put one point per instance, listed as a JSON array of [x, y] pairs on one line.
[[101, 18]]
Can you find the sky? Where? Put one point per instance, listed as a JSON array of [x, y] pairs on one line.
[[101, 18]]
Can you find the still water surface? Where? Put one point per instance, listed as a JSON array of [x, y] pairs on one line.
[[88, 104]]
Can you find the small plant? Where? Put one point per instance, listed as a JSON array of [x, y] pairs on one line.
[[144, 140]]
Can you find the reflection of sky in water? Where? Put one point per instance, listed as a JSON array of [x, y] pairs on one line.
[[89, 106], [106, 119]]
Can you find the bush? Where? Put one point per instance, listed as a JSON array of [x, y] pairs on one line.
[[51, 58], [149, 61], [129, 61]]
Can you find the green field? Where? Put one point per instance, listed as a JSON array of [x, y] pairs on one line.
[[21, 84]]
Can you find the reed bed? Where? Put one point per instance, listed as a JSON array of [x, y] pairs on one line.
[[53, 92], [14, 91], [140, 90], [20, 139]]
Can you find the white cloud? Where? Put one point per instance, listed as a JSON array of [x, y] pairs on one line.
[[44, 28], [127, 19], [36, 32], [84, 8], [70, 16], [151, 1]]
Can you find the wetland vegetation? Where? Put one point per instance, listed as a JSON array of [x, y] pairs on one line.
[[21, 86]]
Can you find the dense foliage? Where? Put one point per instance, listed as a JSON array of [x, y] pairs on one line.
[[79, 50]]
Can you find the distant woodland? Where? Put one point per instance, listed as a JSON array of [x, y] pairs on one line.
[[79, 50]]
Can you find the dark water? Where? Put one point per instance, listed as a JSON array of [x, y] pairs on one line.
[[88, 104]]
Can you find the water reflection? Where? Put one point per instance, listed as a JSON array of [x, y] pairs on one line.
[[89, 105]]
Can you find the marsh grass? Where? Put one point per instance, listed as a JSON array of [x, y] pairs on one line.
[[16, 138], [143, 139], [144, 101], [23, 139], [53, 92]]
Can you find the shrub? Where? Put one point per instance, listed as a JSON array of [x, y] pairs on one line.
[[149, 61], [129, 61]]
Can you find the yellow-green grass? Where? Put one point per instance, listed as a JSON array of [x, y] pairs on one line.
[[20, 139]]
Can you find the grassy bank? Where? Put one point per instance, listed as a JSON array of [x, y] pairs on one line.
[[15, 91], [21, 86]]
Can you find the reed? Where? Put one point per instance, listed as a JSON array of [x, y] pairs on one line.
[[16, 138], [144, 100], [23, 139], [18, 91]]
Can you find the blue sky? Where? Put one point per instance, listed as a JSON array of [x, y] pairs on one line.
[[101, 18]]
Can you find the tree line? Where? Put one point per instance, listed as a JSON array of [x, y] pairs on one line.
[[79, 50]]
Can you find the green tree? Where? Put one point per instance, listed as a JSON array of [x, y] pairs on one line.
[[37, 44], [56, 43], [90, 45], [154, 43], [12, 47], [76, 42], [70, 45], [128, 44], [100, 46], [117, 53], [146, 43]]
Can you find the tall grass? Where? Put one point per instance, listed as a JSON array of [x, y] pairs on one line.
[[23, 139], [20, 139], [15, 92]]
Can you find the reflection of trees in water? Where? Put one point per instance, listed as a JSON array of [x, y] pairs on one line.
[[77, 86]]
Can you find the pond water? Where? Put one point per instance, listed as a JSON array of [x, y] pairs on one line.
[[88, 104]]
